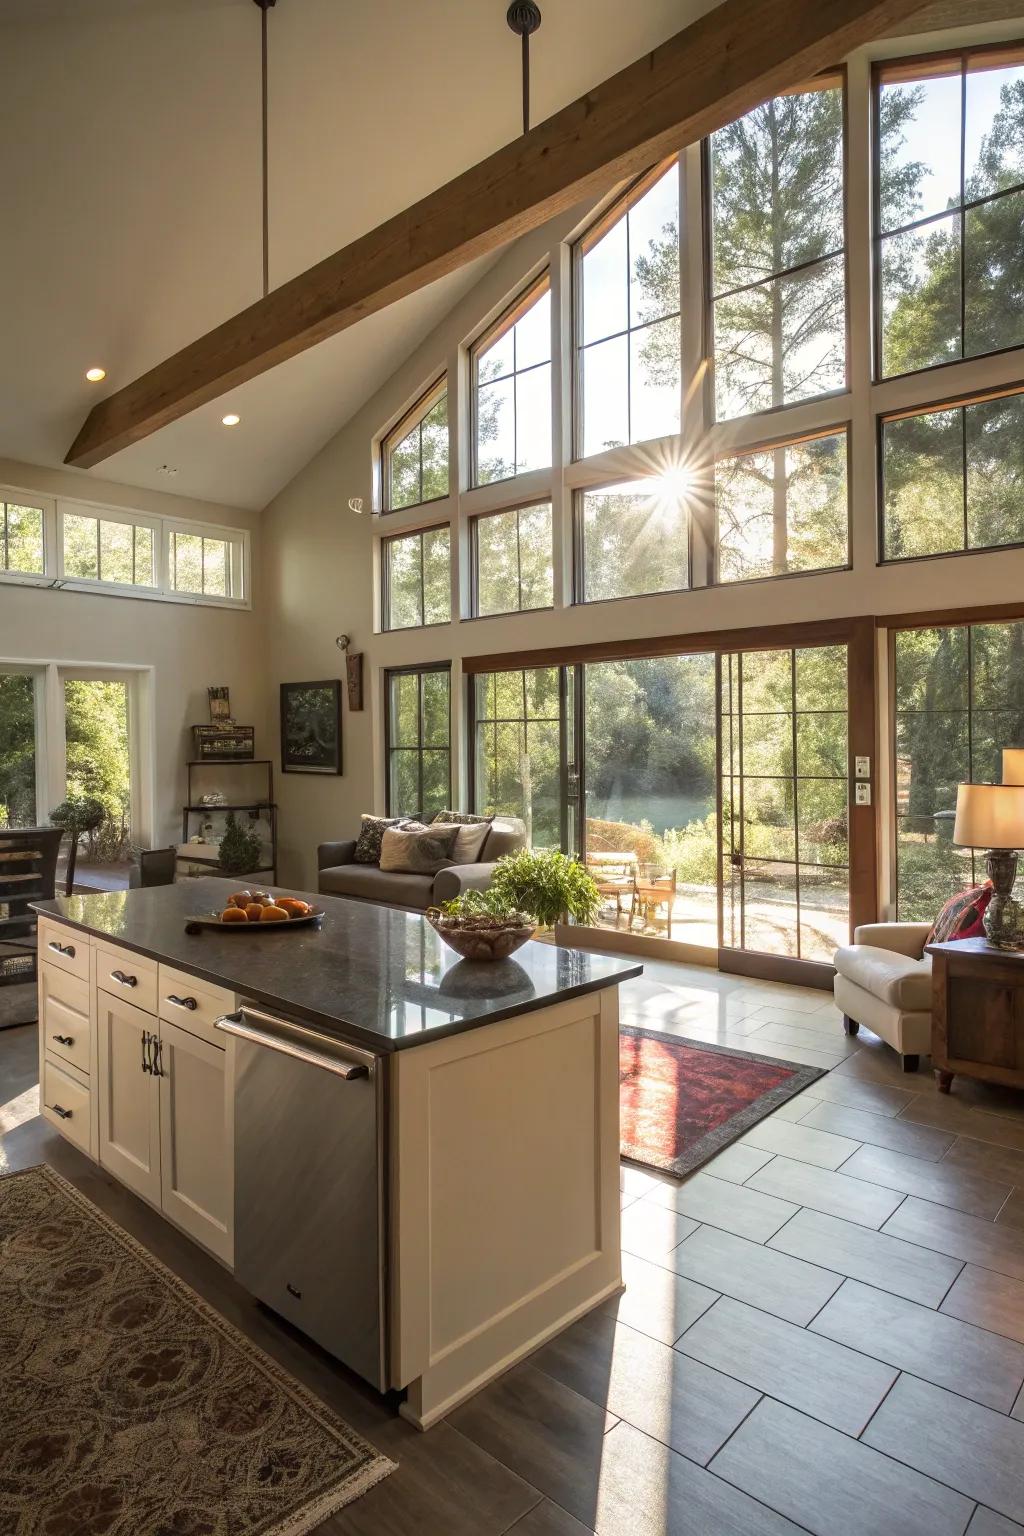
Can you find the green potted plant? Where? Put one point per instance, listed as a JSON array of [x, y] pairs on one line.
[[479, 925], [78, 815], [551, 886], [240, 848]]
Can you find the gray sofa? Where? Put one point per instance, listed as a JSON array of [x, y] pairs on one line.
[[339, 875]]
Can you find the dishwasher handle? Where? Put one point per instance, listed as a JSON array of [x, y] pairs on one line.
[[238, 1024]]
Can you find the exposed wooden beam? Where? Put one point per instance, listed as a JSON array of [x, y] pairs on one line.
[[721, 66], [940, 15]]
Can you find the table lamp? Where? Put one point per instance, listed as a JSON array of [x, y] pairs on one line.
[[991, 816], [1013, 765]]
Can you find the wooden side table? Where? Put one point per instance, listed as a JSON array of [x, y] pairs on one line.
[[977, 1013]]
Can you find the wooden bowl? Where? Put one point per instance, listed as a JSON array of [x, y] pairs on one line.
[[481, 942]]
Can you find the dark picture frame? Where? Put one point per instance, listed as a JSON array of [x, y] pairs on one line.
[[311, 727]]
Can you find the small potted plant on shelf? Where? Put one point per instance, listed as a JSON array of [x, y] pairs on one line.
[[241, 848]]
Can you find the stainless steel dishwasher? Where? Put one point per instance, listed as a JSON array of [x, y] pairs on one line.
[[309, 1183]]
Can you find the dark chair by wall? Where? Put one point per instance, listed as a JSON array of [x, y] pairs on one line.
[[156, 866], [28, 872]]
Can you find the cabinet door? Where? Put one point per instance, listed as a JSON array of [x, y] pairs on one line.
[[196, 1151], [129, 1096]]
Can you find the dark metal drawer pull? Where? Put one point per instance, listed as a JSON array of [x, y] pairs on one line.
[[63, 949], [183, 1002], [146, 1037], [64, 1039], [292, 1291], [158, 1057], [65, 1114], [126, 981]]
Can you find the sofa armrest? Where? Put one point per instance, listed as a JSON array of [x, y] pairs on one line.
[[451, 882], [329, 855], [901, 938]]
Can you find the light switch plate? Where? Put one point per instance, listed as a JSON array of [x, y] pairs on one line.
[[862, 794], [862, 767]]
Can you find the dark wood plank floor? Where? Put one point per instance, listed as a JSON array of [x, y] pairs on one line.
[[822, 1331]]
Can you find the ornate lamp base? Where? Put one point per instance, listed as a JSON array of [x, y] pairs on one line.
[[1004, 917]]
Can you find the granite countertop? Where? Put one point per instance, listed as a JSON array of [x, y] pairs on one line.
[[374, 975]]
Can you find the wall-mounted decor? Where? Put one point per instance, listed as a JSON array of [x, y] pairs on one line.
[[354, 677], [311, 727]]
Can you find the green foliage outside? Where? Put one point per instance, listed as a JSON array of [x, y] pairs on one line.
[[98, 760], [17, 751]]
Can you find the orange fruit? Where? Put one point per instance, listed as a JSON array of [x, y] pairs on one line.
[[273, 915], [232, 915]]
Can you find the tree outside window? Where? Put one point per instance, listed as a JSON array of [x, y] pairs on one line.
[[778, 279]]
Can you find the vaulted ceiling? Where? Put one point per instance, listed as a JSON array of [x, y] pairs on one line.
[[130, 209]]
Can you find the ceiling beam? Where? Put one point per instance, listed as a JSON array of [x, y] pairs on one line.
[[938, 15], [724, 64]]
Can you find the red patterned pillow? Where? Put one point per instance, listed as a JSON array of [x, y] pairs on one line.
[[961, 917]]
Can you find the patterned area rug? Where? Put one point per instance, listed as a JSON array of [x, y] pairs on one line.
[[128, 1407], [681, 1103]]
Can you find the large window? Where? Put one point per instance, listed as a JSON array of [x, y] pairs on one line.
[[418, 741], [87, 547], [21, 538], [203, 563], [959, 700], [778, 269], [512, 560], [627, 331], [950, 207], [17, 751], [108, 549], [632, 538], [416, 579], [414, 456], [517, 749], [783, 509], [953, 478], [511, 368]]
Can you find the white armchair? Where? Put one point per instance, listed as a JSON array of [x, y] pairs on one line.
[[884, 981]]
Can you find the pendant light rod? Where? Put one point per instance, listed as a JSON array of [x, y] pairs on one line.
[[523, 16], [264, 6]]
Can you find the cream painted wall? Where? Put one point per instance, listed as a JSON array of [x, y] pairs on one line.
[[319, 563], [189, 645]]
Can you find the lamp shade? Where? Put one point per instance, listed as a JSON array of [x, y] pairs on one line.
[[989, 816], [1013, 765]]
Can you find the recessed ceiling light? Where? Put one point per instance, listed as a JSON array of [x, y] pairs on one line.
[[231, 420], [94, 375]]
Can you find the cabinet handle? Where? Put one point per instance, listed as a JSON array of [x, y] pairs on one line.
[[183, 1002], [145, 1051], [64, 1039], [158, 1065], [63, 949], [126, 981], [65, 1114]]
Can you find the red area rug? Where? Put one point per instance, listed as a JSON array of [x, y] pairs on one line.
[[680, 1102]]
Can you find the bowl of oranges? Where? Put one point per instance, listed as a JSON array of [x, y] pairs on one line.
[[260, 911]]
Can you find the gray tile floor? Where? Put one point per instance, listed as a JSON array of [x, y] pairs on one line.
[[822, 1330]]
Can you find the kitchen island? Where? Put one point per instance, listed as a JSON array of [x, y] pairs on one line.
[[412, 1158]]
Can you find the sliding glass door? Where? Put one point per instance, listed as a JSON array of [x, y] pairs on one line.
[[785, 847], [521, 744], [650, 835], [18, 749]]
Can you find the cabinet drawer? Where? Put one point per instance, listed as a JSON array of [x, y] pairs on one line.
[[124, 974], [65, 1016], [64, 947], [66, 1103], [193, 1004]]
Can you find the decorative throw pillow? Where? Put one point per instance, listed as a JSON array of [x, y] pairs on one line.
[[961, 917], [371, 833], [416, 850], [469, 844]]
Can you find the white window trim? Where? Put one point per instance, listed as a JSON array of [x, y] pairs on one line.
[[53, 577]]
